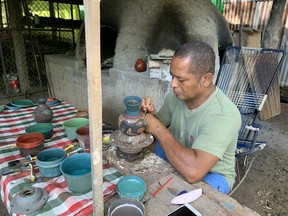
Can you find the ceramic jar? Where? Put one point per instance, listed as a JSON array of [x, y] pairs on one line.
[[131, 121], [42, 113], [140, 65]]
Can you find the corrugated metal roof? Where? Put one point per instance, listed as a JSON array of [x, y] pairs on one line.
[[247, 13], [235, 1]]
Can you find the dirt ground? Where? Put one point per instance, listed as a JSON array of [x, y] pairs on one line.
[[265, 189]]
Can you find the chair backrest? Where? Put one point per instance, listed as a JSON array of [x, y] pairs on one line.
[[245, 76]]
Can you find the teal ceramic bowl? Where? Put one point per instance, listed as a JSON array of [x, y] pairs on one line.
[[72, 125], [77, 172], [49, 161], [131, 187], [44, 128]]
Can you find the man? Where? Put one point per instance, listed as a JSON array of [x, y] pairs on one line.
[[197, 126]]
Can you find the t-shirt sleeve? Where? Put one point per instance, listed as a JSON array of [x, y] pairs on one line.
[[217, 134]]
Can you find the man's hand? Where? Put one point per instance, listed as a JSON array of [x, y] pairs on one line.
[[152, 124], [147, 105]]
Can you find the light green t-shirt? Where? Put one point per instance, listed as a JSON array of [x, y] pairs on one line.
[[212, 127]]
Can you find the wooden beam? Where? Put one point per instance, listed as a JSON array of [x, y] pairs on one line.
[[92, 37], [15, 11]]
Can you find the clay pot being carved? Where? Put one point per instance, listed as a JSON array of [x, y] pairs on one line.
[[131, 121], [42, 113], [140, 65]]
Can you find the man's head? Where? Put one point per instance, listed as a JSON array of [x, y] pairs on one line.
[[200, 55], [192, 69]]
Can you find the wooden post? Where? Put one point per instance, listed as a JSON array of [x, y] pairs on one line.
[[15, 15], [52, 15], [92, 37]]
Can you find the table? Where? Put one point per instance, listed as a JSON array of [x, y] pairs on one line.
[[61, 201], [156, 171]]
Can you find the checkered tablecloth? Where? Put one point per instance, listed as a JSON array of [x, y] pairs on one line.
[[61, 201]]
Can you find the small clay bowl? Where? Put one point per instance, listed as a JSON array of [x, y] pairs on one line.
[[30, 144], [82, 113], [44, 128]]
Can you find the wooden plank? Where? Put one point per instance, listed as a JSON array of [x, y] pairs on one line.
[[272, 106], [210, 203], [155, 171], [14, 9], [92, 36]]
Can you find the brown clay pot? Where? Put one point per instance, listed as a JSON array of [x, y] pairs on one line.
[[140, 65], [30, 144], [83, 137]]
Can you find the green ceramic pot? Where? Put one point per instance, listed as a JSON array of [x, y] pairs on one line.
[[44, 128], [72, 125]]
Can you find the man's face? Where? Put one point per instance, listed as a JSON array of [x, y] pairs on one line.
[[186, 86]]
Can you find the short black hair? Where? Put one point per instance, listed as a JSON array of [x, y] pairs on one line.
[[201, 56]]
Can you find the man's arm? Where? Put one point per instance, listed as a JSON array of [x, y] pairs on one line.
[[193, 164]]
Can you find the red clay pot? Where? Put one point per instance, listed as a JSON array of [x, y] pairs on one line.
[[83, 137], [30, 144], [140, 65]]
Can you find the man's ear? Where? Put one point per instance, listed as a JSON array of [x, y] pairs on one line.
[[207, 79]]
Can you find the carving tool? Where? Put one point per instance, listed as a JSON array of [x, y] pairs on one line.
[[32, 174], [157, 191], [70, 146]]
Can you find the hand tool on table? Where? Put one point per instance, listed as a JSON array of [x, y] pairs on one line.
[[14, 169], [10, 136], [12, 145], [18, 162], [32, 174], [75, 152], [30, 158], [72, 145], [157, 191]]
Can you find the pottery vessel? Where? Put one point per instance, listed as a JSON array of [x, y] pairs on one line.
[[49, 161], [42, 113], [77, 172], [83, 137], [30, 144], [127, 207], [140, 65], [82, 113], [71, 125], [131, 121], [44, 128]]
